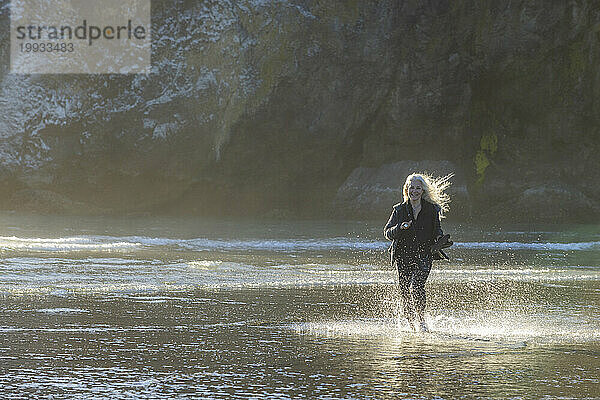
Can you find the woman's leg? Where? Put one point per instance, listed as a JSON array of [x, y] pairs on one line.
[[405, 277], [418, 288]]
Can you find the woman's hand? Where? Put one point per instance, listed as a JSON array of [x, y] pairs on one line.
[[405, 224]]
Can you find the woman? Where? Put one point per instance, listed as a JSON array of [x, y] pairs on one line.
[[413, 227]]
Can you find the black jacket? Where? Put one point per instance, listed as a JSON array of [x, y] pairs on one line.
[[421, 234]]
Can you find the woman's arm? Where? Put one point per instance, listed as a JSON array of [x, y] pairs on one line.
[[393, 229]]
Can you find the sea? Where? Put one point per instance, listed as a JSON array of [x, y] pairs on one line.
[[194, 308]]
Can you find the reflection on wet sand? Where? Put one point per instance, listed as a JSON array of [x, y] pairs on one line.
[[128, 316]]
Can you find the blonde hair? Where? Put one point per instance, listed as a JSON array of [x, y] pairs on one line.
[[433, 190]]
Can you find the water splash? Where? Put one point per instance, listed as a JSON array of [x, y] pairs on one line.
[[482, 326]]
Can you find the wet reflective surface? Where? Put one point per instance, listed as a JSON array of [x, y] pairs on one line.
[[147, 309]]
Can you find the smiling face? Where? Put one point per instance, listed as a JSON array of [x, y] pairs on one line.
[[415, 190]]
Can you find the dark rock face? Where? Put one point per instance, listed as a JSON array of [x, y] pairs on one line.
[[48, 202], [371, 192], [268, 107], [555, 201]]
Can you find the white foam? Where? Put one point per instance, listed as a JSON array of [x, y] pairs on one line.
[[282, 245], [132, 243], [215, 265], [62, 311], [530, 246], [68, 244]]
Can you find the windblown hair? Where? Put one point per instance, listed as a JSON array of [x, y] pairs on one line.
[[433, 190]]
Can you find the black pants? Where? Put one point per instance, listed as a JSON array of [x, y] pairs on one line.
[[412, 273]]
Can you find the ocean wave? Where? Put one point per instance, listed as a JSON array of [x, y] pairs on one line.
[[530, 246], [339, 243], [133, 243], [67, 244], [125, 243]]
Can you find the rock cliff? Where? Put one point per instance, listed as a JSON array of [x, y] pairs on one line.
[[257, 107]]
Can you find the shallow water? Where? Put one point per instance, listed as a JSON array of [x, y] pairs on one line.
[[166, 307]]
